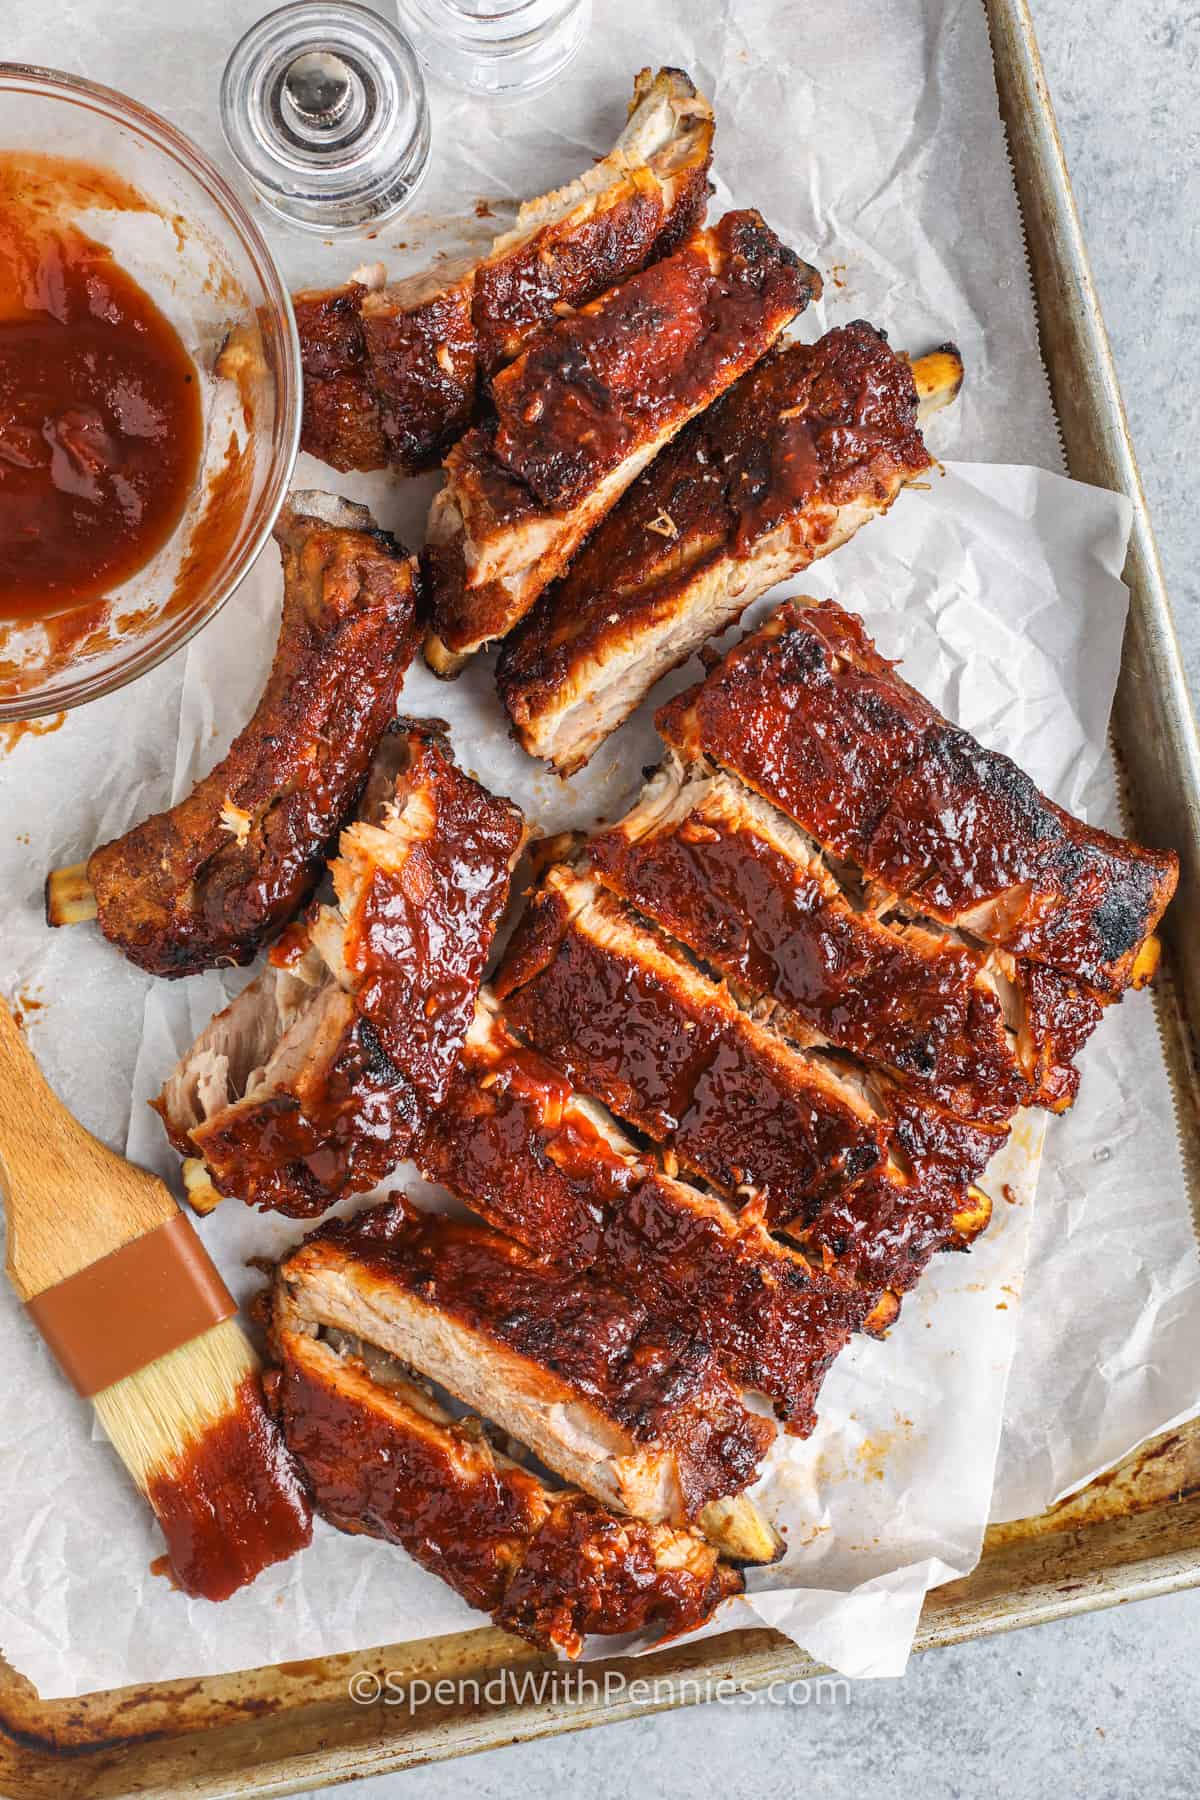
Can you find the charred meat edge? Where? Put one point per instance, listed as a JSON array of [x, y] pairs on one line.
[[207, 883], [937, 822], [442, 332], [280, 1041], [813, 443], [338, 1286], [382, 1457], [521, 496]]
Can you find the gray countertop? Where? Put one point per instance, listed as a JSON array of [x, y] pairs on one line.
[[1102, 1704]]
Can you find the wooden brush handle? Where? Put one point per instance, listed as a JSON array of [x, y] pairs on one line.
[[69, 1200]]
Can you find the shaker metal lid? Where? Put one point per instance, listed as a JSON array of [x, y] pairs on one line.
[[323, 104]]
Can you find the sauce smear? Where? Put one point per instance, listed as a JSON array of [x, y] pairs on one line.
[[100, 419], [231, 1503]]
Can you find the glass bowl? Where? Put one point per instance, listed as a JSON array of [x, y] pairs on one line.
[[180, 230]]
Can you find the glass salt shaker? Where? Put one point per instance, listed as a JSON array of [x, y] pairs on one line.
[[323, 104], [502, 48]]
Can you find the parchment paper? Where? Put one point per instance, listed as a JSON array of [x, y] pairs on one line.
[[868, 136]]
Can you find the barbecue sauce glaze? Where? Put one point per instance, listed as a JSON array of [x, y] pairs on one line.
[[100, 420], [656, 1382], [397, 382], [232, 1503], [689, 1074], [593, 386], [512, 1138], [553, 1566], [808, 713], [736, 899]]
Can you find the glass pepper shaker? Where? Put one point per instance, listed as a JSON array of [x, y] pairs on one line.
[[502, 48], [323, 104]]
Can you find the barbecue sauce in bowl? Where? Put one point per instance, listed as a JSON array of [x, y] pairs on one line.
[[101, 430]]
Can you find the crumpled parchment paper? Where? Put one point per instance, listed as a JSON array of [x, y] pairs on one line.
[[868, 135]]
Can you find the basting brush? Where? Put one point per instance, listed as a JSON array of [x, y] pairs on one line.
[[125, 1294]]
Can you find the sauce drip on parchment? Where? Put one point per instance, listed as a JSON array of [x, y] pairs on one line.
[[100, 416]]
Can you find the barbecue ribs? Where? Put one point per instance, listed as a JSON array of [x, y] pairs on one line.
[[310, 1084], [544, 1165], [393, 374], [207, 883], [827, 1149], [521, 1148], [582, 411], [810, 445], [753, 897], [381, 1457], [632, 1411], [808, 713]]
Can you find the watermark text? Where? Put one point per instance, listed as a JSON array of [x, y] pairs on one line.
[[580, 1685]]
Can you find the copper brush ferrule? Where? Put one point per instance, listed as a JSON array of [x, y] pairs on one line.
[[124, 1293]]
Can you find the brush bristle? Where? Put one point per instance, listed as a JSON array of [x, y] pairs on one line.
[[195, 1434], [156, 1416]]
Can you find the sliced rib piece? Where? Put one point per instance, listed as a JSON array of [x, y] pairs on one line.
[[209, 882], [339, 411], [383, 1458], [393, 374], [751, 895], [517, 1143], [539, 1162], [321, 1114], [884, 1230], [810, 445], [636, 1414], [310, 1084], [1058, 1016], [581, 412], [807, 711], [524, 1150], [623, 1014], [776, 1322], [421, 881]]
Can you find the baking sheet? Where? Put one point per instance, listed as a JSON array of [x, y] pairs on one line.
[[893, 1492]]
